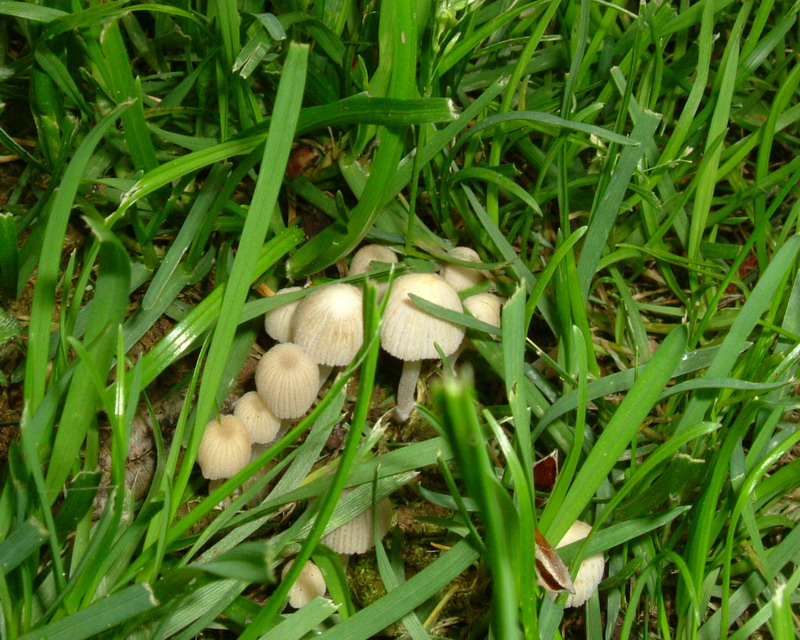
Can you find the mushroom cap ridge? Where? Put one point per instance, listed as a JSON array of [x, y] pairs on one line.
[[408, 332], [355, 537]]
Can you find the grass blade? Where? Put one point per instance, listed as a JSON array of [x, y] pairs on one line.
[[100, 617]]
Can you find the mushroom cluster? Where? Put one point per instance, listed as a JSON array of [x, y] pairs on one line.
[[312, 335], [328, 324], [324, 329]]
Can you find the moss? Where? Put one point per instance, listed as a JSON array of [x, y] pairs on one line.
[[366, 585]]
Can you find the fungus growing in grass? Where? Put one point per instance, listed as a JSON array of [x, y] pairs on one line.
[[262, 425], [278, 321], [590, 572], [355, 536], [485, 307], [409, 333], [287, 379], [329, 326], [365, 256], [459, 277], [310, 584], [224, 449]]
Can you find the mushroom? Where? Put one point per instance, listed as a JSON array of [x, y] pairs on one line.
[[262, 425], [590, 573], [355, 537], [411, 334], [310, 584], [329, 326], [485, 307], [287, 379], [365, 256], [459, 277], [224, 449], [278, 321]]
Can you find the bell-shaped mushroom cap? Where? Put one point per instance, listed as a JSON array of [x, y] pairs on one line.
[[459, 277], [486, 307], [310, 584], [355, 536], [408, 332], [260, 422], [224, 449], [329, 325], [278, 322], [591, 570], [287, 379], [362, 259]]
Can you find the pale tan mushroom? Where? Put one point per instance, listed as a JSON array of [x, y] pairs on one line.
[[278, 321], [260, 422], [356, 536], [459, 277], [224, 449], [485, 307], [287, 379], [590, 572], [411, 334], [365, 256], [328, 324], [310, 584]]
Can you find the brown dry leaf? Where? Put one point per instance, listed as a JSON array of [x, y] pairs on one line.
[[550, 568]]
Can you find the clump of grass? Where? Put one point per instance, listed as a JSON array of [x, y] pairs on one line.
[[628, 176]]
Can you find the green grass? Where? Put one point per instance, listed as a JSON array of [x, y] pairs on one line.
[[629, 175]]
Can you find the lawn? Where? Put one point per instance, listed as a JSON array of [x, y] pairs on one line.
[[627, 178]]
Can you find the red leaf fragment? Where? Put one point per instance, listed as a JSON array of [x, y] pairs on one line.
[[545, 472]]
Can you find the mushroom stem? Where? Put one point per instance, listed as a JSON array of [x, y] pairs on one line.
[[407, 389], [453, 358]]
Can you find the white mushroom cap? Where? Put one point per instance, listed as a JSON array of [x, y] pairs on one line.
[[278, 322], [355, 536], [591, 570], [486, 307], [411, 334], [262, 425], [329, 325], [459, 277], [287, 379], [408, 332], [362, 259], [362, 263], [310, 584], [224, 449]]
